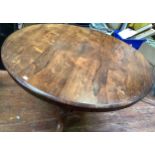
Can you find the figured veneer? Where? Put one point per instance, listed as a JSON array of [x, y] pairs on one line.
[[77, 66]]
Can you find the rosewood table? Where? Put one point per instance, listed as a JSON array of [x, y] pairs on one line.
[[76, 67]]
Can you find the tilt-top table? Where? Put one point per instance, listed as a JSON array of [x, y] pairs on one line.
[[77, 68]]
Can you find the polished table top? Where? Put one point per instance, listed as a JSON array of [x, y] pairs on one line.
[[77, 66]]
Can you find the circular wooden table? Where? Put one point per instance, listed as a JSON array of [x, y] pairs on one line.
[[78, 67]]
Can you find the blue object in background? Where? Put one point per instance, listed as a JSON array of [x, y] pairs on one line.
[[135, 43]]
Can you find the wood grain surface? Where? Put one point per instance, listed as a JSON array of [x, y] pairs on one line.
[[150, 98], [139, 117], [77, 66], [20, 111]]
